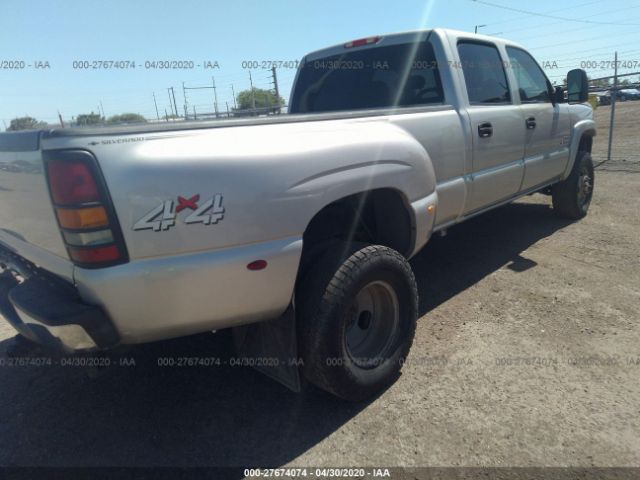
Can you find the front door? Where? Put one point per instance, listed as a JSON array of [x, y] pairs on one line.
[[547, 125]]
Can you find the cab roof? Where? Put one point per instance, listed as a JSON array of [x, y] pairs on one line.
[[404, 37]]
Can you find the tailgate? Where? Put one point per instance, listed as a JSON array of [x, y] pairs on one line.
[[27, 220]]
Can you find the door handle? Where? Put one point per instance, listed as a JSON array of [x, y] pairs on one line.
[[531, 122], [485, 130]]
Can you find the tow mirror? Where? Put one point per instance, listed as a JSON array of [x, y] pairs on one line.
[[577, 86]]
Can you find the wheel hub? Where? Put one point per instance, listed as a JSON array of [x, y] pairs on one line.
[[373, 324], [585, 186], [364, 320]]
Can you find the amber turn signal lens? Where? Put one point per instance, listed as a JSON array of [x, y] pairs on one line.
[[93, 217]]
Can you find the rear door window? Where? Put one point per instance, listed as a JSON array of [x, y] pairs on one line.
[[484, 73]]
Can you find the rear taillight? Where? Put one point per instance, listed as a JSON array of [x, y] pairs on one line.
[[85, 216], [72, 183]]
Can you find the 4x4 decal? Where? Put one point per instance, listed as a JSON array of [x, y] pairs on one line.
[[164, 216]]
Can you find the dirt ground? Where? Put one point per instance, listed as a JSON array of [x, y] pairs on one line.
[[527, 354]]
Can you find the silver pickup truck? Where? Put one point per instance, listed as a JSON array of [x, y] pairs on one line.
[[294, 230]]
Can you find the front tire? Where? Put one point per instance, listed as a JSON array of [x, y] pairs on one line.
[[357, 313], [572, 196]]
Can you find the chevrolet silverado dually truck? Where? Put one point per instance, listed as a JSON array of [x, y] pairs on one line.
[[293, 230]]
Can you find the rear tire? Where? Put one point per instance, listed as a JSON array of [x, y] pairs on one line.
[[572, 196], [20, 346], [357, 310]]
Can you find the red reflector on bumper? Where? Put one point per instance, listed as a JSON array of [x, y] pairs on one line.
[[94, 255], [257, 265]]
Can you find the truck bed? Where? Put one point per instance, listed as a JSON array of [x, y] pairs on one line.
[[243, 122]]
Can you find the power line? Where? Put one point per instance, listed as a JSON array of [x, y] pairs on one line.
[[607, 47], [554, 17], [601, 13], [552, 45], [565, 31], [624, 52], [510, 19]]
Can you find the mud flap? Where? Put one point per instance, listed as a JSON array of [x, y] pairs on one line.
[[271, 348]]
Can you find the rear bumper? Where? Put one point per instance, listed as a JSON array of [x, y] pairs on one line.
[[51, 313], [150, 299], [167, 297]]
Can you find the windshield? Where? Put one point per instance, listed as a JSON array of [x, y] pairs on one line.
[[398, 75]]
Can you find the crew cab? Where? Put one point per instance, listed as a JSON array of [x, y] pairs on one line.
[[294, 230]]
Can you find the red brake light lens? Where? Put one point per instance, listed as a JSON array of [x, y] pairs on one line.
[[94, 255], [72, 183]]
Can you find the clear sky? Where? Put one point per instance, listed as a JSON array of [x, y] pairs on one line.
[[231, 32]]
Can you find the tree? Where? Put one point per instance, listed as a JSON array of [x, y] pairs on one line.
[[25, 123], [602, 83], [127, 118], [89, 119], [263, 98]]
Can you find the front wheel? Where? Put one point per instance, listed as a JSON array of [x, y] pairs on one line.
[[572, 196], [358, 307]]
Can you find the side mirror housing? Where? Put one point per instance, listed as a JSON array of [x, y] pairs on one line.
[[577, 86]]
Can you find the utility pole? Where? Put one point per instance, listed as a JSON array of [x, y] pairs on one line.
[[156, 104], [475, 30], [184, 98], [215, 96], [175, 105], [195, 117], [170, 103], [614, 94], [102, 108], [235, 105], [59, 117], [275, 85], [173, 92], [227, 103], [253, 95]]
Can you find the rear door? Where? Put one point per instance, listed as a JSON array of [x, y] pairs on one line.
[[547, 125], [498, 133]]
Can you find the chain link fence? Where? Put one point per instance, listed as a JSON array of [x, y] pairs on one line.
[[617, 105]]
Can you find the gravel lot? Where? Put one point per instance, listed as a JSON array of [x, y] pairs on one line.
[[527, 354]]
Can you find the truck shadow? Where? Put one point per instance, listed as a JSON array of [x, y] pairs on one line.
[[480, 246], [220, 415]]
